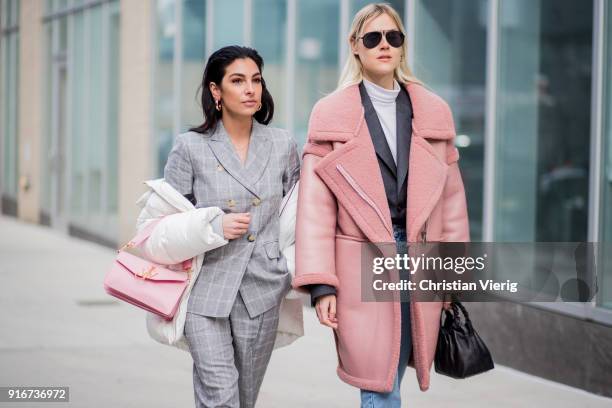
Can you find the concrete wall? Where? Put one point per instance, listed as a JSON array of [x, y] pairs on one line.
[[31, 108], [136, 99], [547, 344]]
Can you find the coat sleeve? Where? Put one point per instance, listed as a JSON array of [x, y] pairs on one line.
[[456, 227], [292, 170], [315, 226]]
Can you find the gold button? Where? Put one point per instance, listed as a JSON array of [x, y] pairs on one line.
[[220, 167], [251, 238], [231, 203], [256, 201]]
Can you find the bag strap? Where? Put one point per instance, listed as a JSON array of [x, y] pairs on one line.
[[142, 236], [458, 306]]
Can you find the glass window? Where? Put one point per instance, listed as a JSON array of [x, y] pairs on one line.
[[228, 13], [95, 140], [543, 120], [450, 57], [317, 58], [194, 60], [357, 5], [78, 123], [164, 75], [270, 39], [9, 79], [605, 290], [82, 97], [112, 145]]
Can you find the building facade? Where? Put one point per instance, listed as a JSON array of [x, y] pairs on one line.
[[92, 93]]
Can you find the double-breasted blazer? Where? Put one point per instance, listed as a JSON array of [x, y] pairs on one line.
[[207, 166], [342, 204]]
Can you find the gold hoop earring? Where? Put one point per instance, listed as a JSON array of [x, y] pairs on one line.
[[218, 104], [259, 107]]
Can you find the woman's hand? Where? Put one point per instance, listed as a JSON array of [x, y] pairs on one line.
[[447, 304], [235, 225], [326, 311]]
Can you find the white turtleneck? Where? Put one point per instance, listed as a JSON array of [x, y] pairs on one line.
[[384, 105]]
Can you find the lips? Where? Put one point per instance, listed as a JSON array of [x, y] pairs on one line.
[[250, 103], [384, 58]]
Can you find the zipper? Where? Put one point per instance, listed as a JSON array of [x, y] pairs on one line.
[[362, 194]]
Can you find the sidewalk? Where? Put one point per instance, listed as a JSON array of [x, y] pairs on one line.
[[59, 328]]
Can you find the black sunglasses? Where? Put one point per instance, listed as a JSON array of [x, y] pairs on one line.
[[395, 38]]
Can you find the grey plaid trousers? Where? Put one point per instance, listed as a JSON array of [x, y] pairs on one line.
[[230, 355]]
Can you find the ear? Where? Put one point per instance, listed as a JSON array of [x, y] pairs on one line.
[[215, 91], [354, 50]]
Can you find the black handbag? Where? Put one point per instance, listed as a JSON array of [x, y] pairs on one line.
[[460, 352]]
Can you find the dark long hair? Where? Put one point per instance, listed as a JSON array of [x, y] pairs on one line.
[[215, 71]]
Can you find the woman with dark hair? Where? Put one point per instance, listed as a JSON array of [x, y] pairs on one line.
[[235, 162]]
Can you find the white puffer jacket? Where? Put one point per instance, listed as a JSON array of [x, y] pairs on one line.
[[186, 233]]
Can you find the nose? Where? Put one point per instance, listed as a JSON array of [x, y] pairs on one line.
[[249, 88], [383, 43]]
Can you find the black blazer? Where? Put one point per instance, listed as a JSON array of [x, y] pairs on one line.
[[395, 178]]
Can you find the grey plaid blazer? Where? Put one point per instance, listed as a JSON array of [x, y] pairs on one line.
[[207, 166]]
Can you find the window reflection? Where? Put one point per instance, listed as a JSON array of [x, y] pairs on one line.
[[543, 123], [450, 57]]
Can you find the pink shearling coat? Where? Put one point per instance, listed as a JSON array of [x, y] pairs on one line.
[[342, 203]]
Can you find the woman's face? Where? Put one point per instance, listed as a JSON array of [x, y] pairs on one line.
[[382, 60], [241, 88]]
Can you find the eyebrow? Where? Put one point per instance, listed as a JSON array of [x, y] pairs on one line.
[[236, 74]]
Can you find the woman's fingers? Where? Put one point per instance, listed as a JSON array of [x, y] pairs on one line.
[[325, 306], [235, 224], [332, 310]]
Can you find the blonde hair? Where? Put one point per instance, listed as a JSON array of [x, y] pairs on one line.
[[352, 73]]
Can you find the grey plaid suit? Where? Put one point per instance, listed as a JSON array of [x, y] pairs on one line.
[[232, 312]]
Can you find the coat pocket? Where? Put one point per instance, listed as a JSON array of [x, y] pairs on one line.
[[272, 249]]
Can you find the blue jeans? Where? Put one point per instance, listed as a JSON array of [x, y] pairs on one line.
[[372, 399]]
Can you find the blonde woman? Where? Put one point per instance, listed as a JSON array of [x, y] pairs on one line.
[[379, 165]]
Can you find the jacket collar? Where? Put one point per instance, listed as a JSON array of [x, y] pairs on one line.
[[341, 118], [258, 155], [429, 116]]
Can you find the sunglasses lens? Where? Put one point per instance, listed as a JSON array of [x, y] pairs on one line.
[[371, 40], [395, 38]]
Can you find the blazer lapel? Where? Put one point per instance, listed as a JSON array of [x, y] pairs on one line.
[[258, 155], [376, 131], [260, 149]]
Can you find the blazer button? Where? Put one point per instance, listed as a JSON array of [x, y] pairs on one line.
[[256, 201], [220, 167], [251, 238], [231, 203]]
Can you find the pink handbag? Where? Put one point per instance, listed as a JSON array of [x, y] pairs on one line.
[[145, 284]]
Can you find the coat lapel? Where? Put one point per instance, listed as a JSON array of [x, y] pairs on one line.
[[258, 155], [427, 171], [352, 172]]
